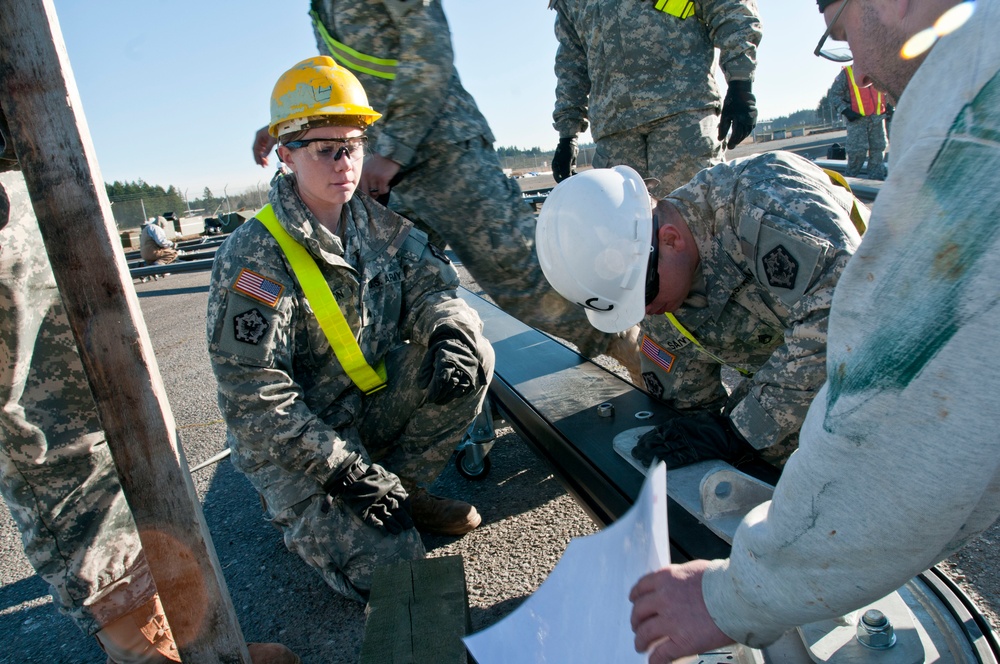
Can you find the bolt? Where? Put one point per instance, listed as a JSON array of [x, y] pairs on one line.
[[875, 631]]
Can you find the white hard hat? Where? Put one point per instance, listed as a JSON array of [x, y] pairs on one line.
[[594, 238]]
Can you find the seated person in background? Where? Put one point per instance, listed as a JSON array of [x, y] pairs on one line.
[[154, 246], [348, 367], [735, 269]]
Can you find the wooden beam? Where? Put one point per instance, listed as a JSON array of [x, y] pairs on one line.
[[50, 136], [418, 612]]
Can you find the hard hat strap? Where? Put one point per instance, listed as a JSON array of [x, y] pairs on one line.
[[653, 266]]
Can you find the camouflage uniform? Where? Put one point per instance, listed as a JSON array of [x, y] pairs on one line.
[[293, 414], [451, 179], [774, 234], [866, 136], [56, 473], [644, 80]]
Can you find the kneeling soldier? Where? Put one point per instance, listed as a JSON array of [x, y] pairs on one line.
[[735, 269]]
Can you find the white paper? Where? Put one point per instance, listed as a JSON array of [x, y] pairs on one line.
[[581, 612]]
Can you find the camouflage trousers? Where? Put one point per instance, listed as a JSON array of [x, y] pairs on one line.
[[407, 436], [866, 139], [671, 150], [460, 192], [56, 473]]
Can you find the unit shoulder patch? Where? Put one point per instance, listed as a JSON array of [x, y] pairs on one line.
[[258, 287], [653, 384], [250, 327], [780, 268]]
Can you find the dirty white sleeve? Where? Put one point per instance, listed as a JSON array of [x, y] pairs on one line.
[[899, 458]]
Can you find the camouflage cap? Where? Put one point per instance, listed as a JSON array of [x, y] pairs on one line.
[[823, 4]]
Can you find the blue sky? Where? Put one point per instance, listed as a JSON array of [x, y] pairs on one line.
[[173, 90]]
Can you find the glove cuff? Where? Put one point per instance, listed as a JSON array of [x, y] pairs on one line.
[[740, 85], [349, 472]]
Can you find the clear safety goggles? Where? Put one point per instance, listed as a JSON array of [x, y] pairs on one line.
[[332, 149]]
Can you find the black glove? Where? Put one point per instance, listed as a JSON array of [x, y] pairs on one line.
[[739, 111], [450, 368], [370, 492], [564, 160], [851, 114], [690, 438]]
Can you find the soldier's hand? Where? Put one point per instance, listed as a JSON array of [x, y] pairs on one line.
[[564, 160], [263, 142], [851, 114], [691, 438], [450, 369], [372, 493], [739, 113]]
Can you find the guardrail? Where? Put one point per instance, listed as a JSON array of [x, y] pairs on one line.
[[536, 197], [198, 256]]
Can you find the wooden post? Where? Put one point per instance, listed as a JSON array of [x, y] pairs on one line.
[[50, 136]]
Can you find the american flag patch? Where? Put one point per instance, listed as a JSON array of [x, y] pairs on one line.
[[657, 354], [258, 287]]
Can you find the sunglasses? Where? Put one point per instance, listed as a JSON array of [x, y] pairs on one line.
[[332, 149], [838, 53]]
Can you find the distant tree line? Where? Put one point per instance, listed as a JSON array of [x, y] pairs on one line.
[[804, 118], [132, 203], [520, 159]]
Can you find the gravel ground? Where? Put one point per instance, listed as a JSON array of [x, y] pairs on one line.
[[528, 519]]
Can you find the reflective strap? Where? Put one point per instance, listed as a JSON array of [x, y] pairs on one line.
[[683, 330], [325, 306], [356, 60], [857, 91], [856, 217], [678, 8], [879, 103]]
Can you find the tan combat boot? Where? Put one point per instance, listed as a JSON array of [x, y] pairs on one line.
[[442, 516], [141, 637], [144, 637]]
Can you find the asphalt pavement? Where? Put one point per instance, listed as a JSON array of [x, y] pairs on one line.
[[528, 519]]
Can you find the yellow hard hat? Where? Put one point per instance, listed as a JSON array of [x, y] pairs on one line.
[[317, 88]]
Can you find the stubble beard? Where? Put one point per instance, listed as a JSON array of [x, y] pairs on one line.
[[892, 72]]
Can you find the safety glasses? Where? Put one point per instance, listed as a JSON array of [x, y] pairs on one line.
[[332, 149], [838, 53]]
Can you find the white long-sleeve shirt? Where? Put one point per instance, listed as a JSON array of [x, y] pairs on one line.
[[158, 235], [899, 457]]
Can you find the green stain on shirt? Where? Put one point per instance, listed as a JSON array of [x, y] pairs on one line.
[[919, 298]]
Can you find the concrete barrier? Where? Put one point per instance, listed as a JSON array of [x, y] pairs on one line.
[[189, 226], [130, 238]]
